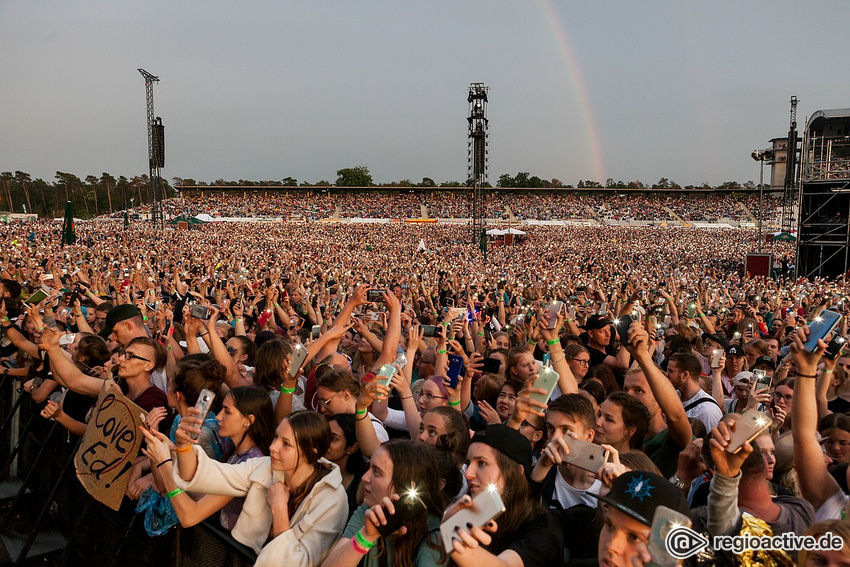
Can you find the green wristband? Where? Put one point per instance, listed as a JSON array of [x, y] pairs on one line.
[[285, 390], [360, 412], [174, 493], [444, 351], [553, 342], [363, 541], [454, 404]]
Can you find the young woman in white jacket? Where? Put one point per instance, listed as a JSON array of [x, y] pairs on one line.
[[293, 520]]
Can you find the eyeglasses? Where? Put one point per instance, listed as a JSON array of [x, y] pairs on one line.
[[786, 397], [128, 354], [327, 402], [428, 396], [527, 424], [231, 350], [582, 361]]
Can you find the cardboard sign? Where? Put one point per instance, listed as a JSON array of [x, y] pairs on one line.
[[110, 446]]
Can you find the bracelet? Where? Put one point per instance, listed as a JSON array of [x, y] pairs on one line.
[[807, 376], [553, 361], [235, 319], [454, 404], [360, 412], [285, 390], [553, 342], [165, 461], [532, 343], [827, 370], [361, 418], [174, 493], [444, 351], [568, 320], [358, 548], [480, 334], [144, 318], [363, 541], [407, 397], [185, 449]]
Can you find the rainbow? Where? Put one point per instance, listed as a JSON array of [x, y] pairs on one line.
[[565, 49]]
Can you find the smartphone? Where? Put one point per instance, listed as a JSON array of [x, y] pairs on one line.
[[491, 365], [486, 506], [455, 368], [761, 379], [385, 375], [374, 316], [406, 509], [375, 295], [200, 312], [428, 330], [554, 309], [205, 399], [834, 347], [316, 331], [748, 427], [585, 455], [299, 355], [37, 297], [547, 379], [716, 354], [824, 323], [663, 522], [623, 324]]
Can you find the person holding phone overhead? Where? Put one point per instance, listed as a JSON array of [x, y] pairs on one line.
[[526, 534]]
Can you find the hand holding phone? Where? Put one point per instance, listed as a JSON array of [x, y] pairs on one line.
[[205, 399], [486, 506]]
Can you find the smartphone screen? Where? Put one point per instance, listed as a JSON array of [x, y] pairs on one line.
[[823, 324], [455, 368]]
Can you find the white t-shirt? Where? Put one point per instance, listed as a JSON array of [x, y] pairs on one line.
[[396, 420], [832, 508], [708, 412], [569, 496]]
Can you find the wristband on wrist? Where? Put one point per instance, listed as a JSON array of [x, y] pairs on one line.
[[358, 548], [454, 404], [165, 461], [553, 342], [185, 449], [174, 493], [480, 334], [360, 412], [807, 376], [827, 370], [285, 390], [532, 343], [365, 543], [443, 351]]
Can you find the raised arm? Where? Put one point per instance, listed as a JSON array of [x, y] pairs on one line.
[[663, 391], [64, 371], [816, 484]]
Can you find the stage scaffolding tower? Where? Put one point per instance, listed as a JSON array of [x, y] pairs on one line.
[[156, 152], [477, 158]]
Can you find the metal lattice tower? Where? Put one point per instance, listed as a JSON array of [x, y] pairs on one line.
[[789, 199], [156, 151], [478, 156]]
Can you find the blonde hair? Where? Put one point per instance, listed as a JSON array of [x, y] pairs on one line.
[[840, 528]]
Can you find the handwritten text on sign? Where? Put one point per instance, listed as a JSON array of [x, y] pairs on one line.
[[110, 446]]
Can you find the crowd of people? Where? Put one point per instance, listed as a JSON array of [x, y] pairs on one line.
[[537, 206], [389, 394]]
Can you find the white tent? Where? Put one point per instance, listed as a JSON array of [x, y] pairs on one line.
[[496, 232], [513, 231]]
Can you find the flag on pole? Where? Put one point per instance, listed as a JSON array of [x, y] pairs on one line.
[[126, 220], [68, 236]]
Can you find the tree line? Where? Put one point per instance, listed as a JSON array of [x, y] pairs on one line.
[[91, 196]]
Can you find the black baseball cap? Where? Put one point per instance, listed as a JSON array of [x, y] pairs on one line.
[[639, 493], [765, 361], [508, 441], [116, 315], [595, 322], [735, 350]]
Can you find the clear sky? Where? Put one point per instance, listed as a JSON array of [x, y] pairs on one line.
[[276, 88]]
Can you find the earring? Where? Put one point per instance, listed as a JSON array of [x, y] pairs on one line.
[[247, 424]]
